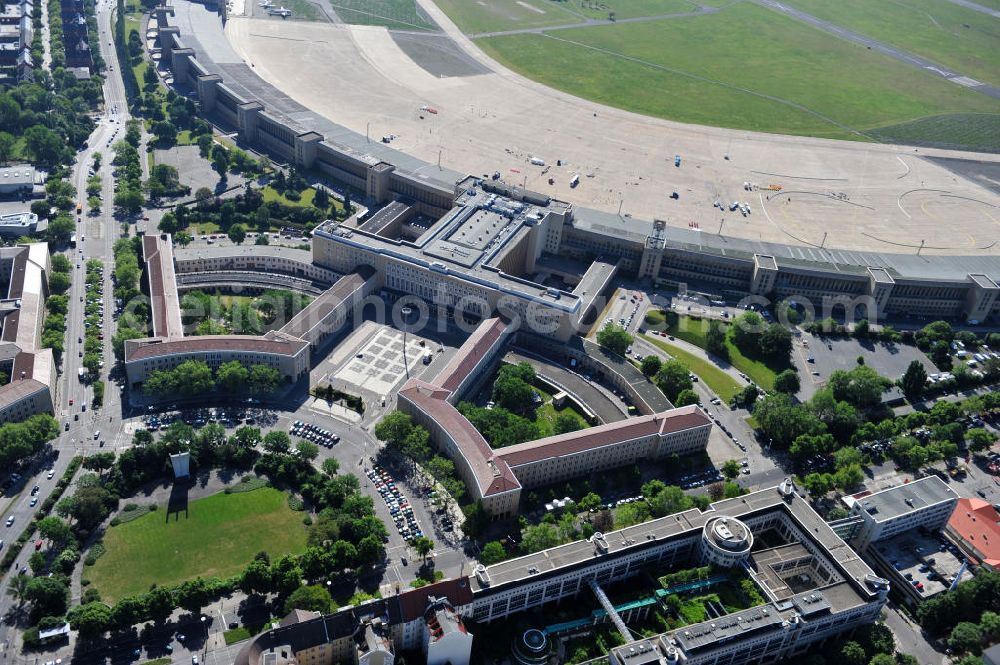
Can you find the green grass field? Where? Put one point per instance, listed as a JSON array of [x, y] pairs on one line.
[[962, 39], [496, 15], [693, 330], [399, 14], [743, 67], [304, 10], [218, 536], [718, 381], [545, 415], [599, 9], [271, 194], [963, 131]]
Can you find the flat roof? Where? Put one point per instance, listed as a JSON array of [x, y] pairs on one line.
[[881, 275], [689, 524], [647, 391], [572, 443], [271, 343], [194, 253], [983, 281], [19, 174], [902, 499]]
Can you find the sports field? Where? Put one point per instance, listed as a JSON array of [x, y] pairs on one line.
[[744, 66], [216, 536]]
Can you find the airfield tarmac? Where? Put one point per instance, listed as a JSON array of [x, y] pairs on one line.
[[844, 194]]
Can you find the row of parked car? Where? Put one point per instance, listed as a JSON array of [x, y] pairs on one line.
[[310, 432], [399, 507], [701, 478]]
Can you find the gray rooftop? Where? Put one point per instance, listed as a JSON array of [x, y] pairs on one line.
[[902, 499], [688, 524], [190, 253]]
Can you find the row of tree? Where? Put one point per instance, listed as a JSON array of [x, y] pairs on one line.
[[194, 377]]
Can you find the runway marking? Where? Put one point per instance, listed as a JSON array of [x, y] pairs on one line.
[[899, 202], [799, 177], [531, 7], [904, 164]]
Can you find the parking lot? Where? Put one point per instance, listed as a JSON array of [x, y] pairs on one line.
[[817, 357]]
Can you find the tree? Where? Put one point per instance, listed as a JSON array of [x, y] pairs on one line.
[[776, 342], [512, 389], [6, 146], [715, 340], [590, 501], [914, 380], [614, 338], [394, 428], [232, 377], [566, 422], [989, 622], [853, 654], [979, 439], [257, 577], [238, 233], [849, 476], [746, 332], [18, 588], [277, 442], [861, 329], [686, 398], [966, 637], [330, 466], [731, 469], [60, 228], [194, 595], [55, 531], [818, 484], [314, 598], [787, 382], [160, 603], [783, 421], [307, 450], [90, 620], [423, 546], [861, 387], [672, 378], [540, 537], [650, 366], [49, 596], [492, 552], [881, 658], [264, 379]]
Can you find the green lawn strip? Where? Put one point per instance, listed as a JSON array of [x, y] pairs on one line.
[[599, 9], [216, 536], [693, 330], [740, 50], [717, 380], [496, 15], [545, 415], [390, 13], [159, 661], [235, 635], [979, 132], [962, 39], [303, 9], [271, 194]]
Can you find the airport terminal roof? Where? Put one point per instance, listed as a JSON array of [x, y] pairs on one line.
[[895, 501], [687, 417]]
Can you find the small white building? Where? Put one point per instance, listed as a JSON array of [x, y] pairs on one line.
[[445, 638], [926, 503]]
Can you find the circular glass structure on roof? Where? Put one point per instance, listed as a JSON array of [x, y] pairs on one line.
[[726, 541]]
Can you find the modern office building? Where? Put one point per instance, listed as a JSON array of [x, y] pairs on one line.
[[18, 224], [16, 33], [815, 588], [925, 503], [17, 180]]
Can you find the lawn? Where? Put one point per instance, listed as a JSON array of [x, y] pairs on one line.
[[303, 10], [744, 67], [399, 14], [474, 17], [717, 380], [217, 536], [271, 194], [693, 330], [545, 415], [962, 131], [599, 9], [962, 39]]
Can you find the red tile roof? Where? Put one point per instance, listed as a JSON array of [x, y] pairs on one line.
[[207, 343], [471, 353], [975, 522], [413, 604], [492, 474], [686, 417]]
